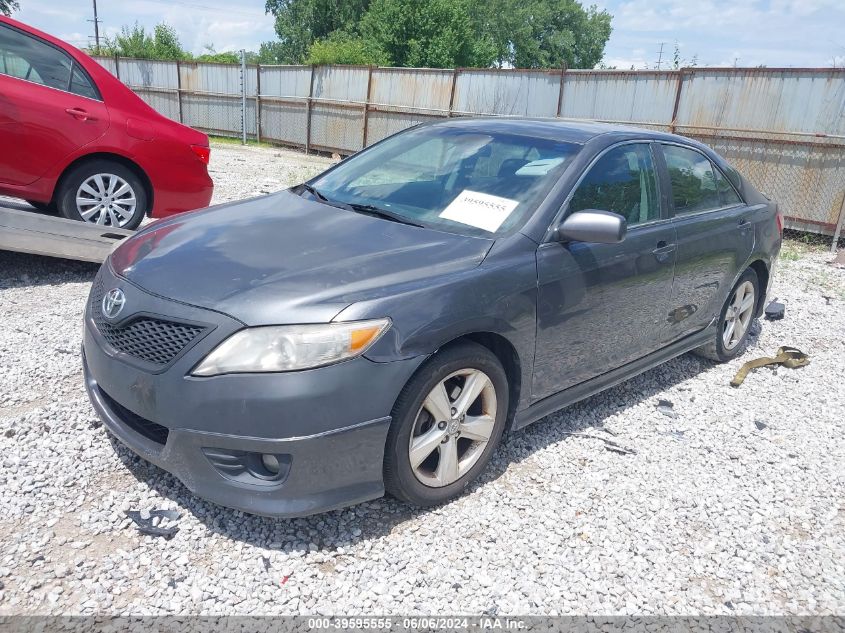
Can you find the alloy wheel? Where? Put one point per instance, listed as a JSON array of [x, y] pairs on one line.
[[452, 427], [738, 315], [106, 199]]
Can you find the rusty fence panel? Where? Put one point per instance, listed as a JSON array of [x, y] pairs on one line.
[[783, 128]]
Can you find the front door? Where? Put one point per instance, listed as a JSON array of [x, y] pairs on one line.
[[48, 107], [601, 306]]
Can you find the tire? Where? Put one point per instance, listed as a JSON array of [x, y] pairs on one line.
[[717, 349], [46, 207], [452, 367], [124, 210]]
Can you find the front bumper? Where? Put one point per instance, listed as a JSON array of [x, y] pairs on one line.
[[328, 426], [327, 471]]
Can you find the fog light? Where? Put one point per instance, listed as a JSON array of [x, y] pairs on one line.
[[271, 463]]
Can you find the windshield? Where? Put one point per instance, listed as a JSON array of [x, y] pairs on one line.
[[462, 181]]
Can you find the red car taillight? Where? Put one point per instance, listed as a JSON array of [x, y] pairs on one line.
[[202, 152], [779, 217]]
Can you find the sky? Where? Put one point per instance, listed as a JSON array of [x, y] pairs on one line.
[[773, 33]]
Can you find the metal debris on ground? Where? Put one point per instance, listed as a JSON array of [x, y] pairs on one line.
[[667, 408], [608, 444], [152, 522], [789, 357], [775, 311]]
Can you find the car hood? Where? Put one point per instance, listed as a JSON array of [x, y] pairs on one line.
[[283, 259]]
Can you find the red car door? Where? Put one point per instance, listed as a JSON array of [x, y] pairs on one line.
[[49, 107]]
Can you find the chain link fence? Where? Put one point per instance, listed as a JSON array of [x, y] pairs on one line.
[[783, 128]]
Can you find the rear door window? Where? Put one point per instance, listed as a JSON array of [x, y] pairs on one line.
[[697, 184]]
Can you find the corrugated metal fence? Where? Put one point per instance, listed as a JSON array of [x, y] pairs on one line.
[[783, 128]]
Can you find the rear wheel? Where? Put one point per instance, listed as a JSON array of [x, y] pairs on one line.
[[734, 321], [103, 192], [447, 422]]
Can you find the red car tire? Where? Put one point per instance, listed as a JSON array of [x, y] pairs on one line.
[[103, 192]]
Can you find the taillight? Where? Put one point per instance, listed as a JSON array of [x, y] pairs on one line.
[[202, 152], [779, 217]]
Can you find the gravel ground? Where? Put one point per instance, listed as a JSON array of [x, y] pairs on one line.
[[734, 502]]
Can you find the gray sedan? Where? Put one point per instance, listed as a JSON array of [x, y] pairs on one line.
[[381, 326]]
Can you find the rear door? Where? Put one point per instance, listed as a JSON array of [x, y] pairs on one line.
[[601, 306], [49, 107], [715, 238]]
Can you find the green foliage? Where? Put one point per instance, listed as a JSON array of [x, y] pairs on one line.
[[163, 43], [422, 33], [299, 23], [679, 62], [212, 55], [341, 48], [268, 53], [7, 6], [426, 33], [442, 33], [545, 33]]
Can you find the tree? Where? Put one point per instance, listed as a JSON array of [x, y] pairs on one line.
[[268, 53], [299, 23], [544, 33], [426, 33], [211, 55], [7, 6], [342, 48], [163, 43], [679, 62]]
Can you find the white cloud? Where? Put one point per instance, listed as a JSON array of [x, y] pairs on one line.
[[773, 33], [226, 25]]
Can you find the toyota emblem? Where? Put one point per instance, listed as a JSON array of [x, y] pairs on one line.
[[113, 302]]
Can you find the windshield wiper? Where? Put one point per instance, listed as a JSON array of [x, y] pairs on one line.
[[322, 197], [368, 209]]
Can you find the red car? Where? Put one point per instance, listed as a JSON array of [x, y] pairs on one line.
[[74, 137]]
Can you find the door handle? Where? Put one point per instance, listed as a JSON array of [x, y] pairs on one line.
[[80, 114], [663, 251], [744, 224]]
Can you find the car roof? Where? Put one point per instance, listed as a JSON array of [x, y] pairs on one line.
[[567, 130]]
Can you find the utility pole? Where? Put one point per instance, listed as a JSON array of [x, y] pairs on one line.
[[96, 22], [243, 97], [660, 55]]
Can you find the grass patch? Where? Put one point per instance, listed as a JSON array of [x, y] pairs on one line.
[[797, 244], [228, 140], [792, 251]]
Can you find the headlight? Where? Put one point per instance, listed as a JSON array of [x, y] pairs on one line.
[[290, 347]]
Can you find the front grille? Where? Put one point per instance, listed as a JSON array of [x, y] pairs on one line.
[[152, 431], [153, 340]]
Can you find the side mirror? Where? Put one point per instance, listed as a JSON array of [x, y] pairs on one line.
[[592, 225]]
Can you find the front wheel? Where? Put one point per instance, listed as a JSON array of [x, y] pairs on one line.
[[734, 321], [447, 422], [103, 192]]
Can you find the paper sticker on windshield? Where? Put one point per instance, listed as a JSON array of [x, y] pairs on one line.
[[539, 167], [480, 210]]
